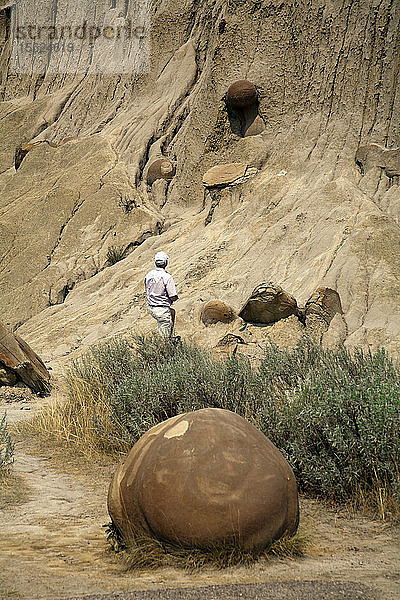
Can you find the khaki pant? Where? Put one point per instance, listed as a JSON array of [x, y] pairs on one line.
[[163, 316]]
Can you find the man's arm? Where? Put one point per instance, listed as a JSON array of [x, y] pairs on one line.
[[171, 290]]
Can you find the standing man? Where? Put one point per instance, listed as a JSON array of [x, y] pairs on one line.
[[161, 293]]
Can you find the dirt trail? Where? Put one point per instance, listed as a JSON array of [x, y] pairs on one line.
[[53, 546]]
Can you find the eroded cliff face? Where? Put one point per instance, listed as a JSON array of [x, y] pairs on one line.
[[322, 209]]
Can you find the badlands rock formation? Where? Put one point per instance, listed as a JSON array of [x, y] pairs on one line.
[[237, 488], [321, 210], [19, 362]]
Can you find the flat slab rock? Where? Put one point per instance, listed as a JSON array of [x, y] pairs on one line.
[[17, 359], [227, 174]]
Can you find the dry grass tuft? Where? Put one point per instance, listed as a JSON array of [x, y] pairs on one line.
[[115, 254], [143, 552], [378, 501], [81, 424], [13, 490]]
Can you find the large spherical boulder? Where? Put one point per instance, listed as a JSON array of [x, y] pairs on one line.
[[241, 94], [162, 168], [216, 311], [205, 478]]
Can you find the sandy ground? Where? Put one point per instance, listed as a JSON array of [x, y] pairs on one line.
[[53, 546]]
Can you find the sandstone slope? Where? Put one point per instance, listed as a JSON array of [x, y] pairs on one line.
[[323, 207]]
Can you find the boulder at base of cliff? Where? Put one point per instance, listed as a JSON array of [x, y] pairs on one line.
[[216, 311], [205, 479], [325, 303], [18, 360], [268, 303]]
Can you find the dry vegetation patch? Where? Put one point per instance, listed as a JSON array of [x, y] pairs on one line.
[[81, 424], [335, 415], [148, 553], [13, 490]]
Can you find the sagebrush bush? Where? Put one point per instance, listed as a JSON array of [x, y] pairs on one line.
[[6, 446], [339, 420], [166, 381]]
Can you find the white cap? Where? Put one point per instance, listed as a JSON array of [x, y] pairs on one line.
[[161, 257]]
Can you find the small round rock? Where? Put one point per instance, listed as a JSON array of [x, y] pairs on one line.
[[162, 168], [216, 311], [241, 94]]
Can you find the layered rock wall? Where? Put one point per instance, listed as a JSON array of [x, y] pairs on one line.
[[311, 216]]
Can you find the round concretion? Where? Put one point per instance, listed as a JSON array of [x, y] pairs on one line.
[[162, 168], [205, 478], [216, 311], [268, 303], [241, 94]]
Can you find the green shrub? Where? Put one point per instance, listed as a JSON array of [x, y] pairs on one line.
[[6, 446], [337, 424], [166, 381], [105, 364]]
